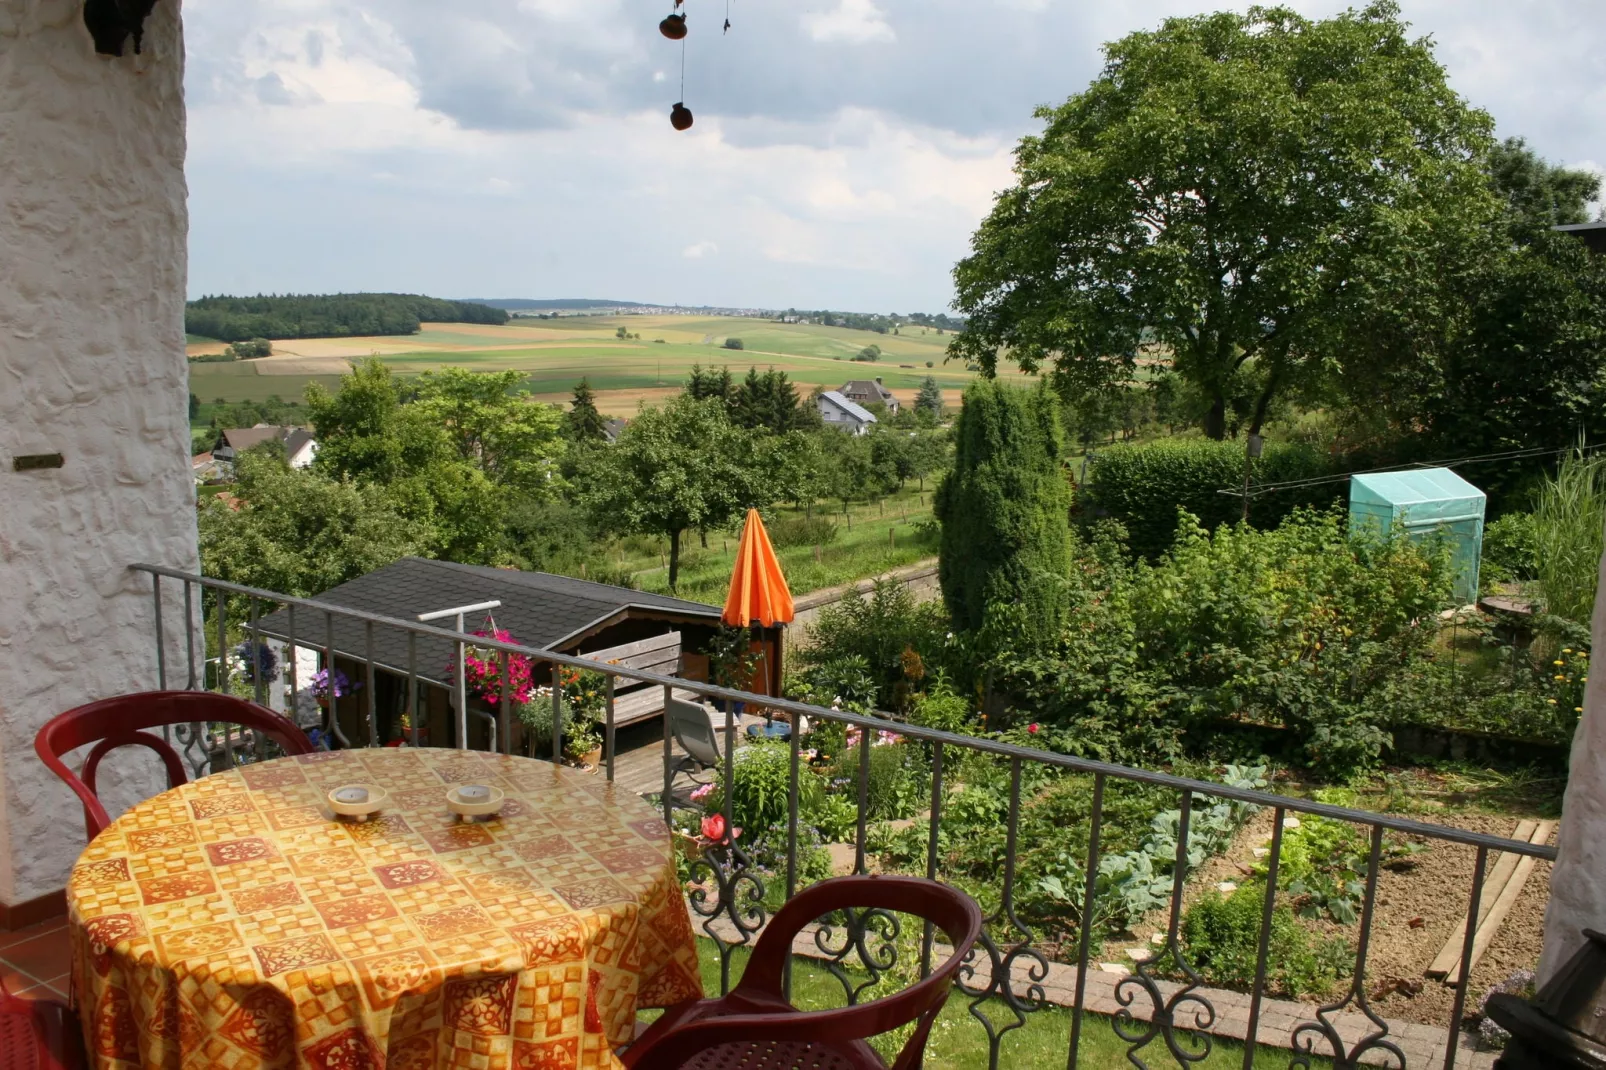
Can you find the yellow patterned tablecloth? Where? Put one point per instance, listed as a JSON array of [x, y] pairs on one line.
[[232, 923]]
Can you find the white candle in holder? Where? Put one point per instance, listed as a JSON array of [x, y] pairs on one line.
[[352, 795], [474, 793]]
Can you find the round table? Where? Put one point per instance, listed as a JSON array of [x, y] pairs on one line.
[[232, 922]]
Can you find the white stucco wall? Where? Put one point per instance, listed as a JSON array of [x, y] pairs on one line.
[[1578, 881], [92, 275]]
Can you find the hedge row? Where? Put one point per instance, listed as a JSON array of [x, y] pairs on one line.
[[1142, 486]]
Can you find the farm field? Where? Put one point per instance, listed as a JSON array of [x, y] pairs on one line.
[[624, 372]]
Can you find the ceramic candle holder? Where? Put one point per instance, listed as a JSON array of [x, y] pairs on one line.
[[474, 800], [358, 801]]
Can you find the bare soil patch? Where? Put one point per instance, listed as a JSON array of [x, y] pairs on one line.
[[1418, 908]]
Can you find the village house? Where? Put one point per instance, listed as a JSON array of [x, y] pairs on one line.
[[838, 411], [869, 392]]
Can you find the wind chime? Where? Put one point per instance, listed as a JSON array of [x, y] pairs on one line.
[[674, 27]]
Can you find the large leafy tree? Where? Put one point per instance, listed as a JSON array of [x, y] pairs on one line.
[[1004, 508], [431, 452], [1538, 194], [1505, 349], [1215, 191], [303, 532], [493, 425], [684, 466]]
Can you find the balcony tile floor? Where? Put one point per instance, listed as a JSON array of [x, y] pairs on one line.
[[34, 961]]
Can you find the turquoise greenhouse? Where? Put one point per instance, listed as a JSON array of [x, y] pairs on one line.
[[1427, 501]]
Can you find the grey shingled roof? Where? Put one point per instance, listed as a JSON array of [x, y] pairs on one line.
[[851, 407], [538, 608]]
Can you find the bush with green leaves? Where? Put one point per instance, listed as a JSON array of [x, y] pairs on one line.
[[872, 648], [1511, 548], [1301, 627], [760, 797], [791, 531], [1142, 487], [941, 708], [1221, 938]]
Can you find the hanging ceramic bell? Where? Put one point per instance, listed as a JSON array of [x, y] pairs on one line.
[[680, 117], [673, 27]]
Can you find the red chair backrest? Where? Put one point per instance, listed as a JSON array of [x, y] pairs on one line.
[[38, 1034], [117, 722], [951, 910]]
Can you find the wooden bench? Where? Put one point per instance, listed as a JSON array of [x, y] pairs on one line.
[[635, 701]]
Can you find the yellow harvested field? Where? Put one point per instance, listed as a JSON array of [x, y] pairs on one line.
[[650, 364]]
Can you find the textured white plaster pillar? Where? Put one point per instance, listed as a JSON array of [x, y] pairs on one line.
[[92, 273], [1578, 881]]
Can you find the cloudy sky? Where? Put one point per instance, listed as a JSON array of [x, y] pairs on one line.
[[843, 152]]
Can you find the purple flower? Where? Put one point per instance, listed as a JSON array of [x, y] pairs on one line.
[[342, 685]]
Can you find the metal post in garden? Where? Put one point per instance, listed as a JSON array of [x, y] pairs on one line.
[[458, 612]]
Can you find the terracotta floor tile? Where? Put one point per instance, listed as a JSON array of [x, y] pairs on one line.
[[55, 992], [21, 935], [43, 957]]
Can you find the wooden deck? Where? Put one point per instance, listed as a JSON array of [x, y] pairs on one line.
[[640, 765]]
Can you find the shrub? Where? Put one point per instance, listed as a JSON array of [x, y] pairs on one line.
[[1511, 548], [1222, 938], [941, 709], [762, 774], [802, 531], [733, 343], [858, 648], [1142, 487], [1004, 509]]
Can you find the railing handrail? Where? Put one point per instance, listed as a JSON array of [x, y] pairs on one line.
[[928, 735]]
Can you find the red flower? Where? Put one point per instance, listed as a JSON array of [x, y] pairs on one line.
[[714, 829], [1032, 728]]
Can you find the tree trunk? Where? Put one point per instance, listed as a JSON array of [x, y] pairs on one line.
[[674, 559], [1215, 425], [702, 533]]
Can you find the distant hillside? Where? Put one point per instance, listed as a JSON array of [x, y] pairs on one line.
[[562, 304], [235, 319]]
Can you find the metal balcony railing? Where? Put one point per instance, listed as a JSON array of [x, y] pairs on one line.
[[1165, 1011]]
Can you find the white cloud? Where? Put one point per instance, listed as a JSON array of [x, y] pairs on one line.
[[854, 22], [523, 148]]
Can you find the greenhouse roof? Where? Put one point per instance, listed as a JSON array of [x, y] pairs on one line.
[[1413, 487]]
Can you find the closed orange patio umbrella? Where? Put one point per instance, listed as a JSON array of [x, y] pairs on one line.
[[758, 588]]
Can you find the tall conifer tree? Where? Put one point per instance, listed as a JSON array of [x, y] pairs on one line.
[[1004, 508], [583, 423]]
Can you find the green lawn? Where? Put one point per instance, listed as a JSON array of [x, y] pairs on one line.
[[858, 552], [959, 1041]]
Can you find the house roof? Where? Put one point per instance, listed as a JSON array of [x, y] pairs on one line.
[[295, 439], [538, 609], [240, 439], [866, 386], [201, 458], [852, 408]]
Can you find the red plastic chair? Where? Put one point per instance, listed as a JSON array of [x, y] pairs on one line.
[[755, 1028], [39, 1034], [116, 722]]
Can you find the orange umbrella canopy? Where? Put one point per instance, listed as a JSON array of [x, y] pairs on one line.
[[758, 589]]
